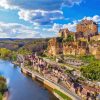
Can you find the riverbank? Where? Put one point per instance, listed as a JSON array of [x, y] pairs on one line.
[[22, 87], [51, 85], [3, 88], [38, 69], [5, 96], [40, 80]]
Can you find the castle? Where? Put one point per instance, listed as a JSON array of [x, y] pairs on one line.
[[86, 40]]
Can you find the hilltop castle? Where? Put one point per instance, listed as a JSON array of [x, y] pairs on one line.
[[86, 40]]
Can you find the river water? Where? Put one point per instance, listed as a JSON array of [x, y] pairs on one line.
[[22, 87]]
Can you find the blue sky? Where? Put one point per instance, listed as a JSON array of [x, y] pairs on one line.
[[44, 18]]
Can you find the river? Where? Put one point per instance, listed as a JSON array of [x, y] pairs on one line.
[[22, 87]]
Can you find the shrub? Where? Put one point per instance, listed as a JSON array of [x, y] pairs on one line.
[[92, 71]]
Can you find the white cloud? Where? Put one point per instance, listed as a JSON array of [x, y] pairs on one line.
[[41, 12], [72, 26], [39, 16], [46, 5], [14, 30], [95, 18], [56, 27]]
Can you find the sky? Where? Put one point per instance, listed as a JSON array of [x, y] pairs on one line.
[[44, 18]]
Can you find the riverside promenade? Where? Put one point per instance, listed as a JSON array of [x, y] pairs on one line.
[[50, 84]]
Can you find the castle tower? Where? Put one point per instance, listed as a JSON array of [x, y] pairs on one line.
[[88, 27], [63, 33]]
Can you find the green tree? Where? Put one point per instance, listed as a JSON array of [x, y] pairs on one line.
[[70, 38], [92, 71], [14, 56], [3, 85], [88, 58], [4, 52]]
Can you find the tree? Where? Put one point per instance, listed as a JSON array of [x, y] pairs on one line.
[[3, 85], [88, 58], [92, 71], [70, 38], [14, 56], [4, 52]]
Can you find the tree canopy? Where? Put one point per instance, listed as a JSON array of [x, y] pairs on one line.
[[70, 38], [92, 71], [4, 52]]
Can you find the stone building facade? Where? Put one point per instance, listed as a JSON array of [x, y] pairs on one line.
[[88, 27], [63, 33], [55, 47], [86, 31]]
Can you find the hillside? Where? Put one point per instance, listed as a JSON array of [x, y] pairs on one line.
[[32, 45]]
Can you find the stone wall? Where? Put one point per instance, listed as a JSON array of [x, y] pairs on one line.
[[87, 27], [73, 50], [63, 33], [86, 31], [95, 50], [69, 49], [98, 53], [95, 38], [54, 47]]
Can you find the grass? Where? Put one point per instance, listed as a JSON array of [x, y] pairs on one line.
[[65, 97]]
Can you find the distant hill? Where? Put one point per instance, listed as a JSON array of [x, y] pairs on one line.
[[31, 44]]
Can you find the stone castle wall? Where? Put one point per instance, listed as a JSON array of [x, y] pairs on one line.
[[87, 26], [87, 31], [54, 47]]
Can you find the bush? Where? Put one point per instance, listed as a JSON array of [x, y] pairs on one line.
[[88, 58], [3, 85], [4, 53], [92, 71]]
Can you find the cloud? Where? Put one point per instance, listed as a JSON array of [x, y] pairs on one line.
[[56, 27], [95, 18], [39, 12], [72, 26], [70, 3], [40, 17], [14, 30], [46, 5]]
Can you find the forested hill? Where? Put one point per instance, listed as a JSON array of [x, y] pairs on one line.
[[24, 44]]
